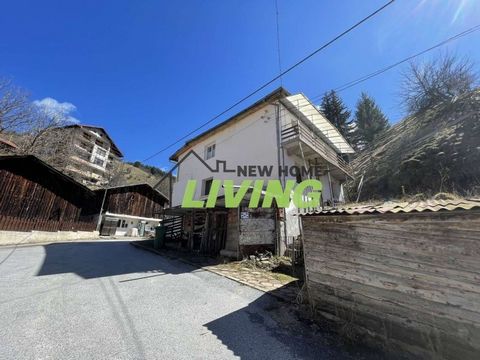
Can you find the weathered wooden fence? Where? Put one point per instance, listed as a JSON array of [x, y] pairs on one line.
[[409, 281]]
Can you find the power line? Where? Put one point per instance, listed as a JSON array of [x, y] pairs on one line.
[[381, 71], [342, 34], [378, 72], [389, 67]]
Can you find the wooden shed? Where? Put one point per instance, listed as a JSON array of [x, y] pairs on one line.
[[137, 199], [130, 206], [35, 196], [403, 275]]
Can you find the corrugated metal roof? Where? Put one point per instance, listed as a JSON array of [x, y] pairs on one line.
[[401, 207]]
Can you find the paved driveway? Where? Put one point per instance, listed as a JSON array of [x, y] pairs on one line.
[[109, 300]]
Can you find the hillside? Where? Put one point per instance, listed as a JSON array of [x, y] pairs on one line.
[[434, 151], [138, 173]]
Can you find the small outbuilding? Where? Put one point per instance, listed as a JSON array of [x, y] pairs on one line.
[[131, 209], [36, 197]]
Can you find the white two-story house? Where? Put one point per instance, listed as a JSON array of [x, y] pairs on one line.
[[280, 130]]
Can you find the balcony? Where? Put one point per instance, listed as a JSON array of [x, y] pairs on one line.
[[313, 147]]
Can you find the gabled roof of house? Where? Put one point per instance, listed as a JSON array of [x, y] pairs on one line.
[[301, 106], [84, 126], [271, 97]]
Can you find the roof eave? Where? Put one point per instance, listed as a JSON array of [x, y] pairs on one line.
[[116, 148], [274, 95]]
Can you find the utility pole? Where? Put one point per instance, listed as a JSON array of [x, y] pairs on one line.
[[99, 222]]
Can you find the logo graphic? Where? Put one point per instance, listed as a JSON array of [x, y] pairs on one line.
[[262, 193]]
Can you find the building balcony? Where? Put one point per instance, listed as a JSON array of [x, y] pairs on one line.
[[313, 149]]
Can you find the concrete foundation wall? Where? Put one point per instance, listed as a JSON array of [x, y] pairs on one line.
[[34, 237]]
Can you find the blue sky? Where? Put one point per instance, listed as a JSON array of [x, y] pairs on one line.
[[150, 71]]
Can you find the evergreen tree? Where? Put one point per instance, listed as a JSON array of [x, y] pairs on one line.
[[337, 113], [369, 121]]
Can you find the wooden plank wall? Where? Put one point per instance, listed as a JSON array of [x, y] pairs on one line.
[[29, 203], [410, 282], [136, 201]]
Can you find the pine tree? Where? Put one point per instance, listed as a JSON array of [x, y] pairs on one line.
[[337, 113], [369, 121]]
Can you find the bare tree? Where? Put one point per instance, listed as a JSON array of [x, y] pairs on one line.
[[34, 129], [428, 84], [116, 174], [15, 108], [41, 132]]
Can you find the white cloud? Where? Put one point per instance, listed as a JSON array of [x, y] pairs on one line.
[[54, 107]]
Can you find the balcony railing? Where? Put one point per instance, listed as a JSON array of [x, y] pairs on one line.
[[302, 133]]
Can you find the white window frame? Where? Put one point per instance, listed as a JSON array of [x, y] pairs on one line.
[[96, 155], [209, 153]]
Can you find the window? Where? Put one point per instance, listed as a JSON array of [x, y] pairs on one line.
[[99, 156], [122, 224], [207, 184], [210, 151], [98, 161], [101, 152]]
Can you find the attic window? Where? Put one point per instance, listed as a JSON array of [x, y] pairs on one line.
[[210, 151]]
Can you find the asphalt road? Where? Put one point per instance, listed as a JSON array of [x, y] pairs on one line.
[[109, 300]]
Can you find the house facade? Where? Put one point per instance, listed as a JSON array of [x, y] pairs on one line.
[[86, 153], [93, 154], [281, 131]]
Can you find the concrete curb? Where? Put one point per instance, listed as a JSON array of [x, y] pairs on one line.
[[26, 244], [157, 252]]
